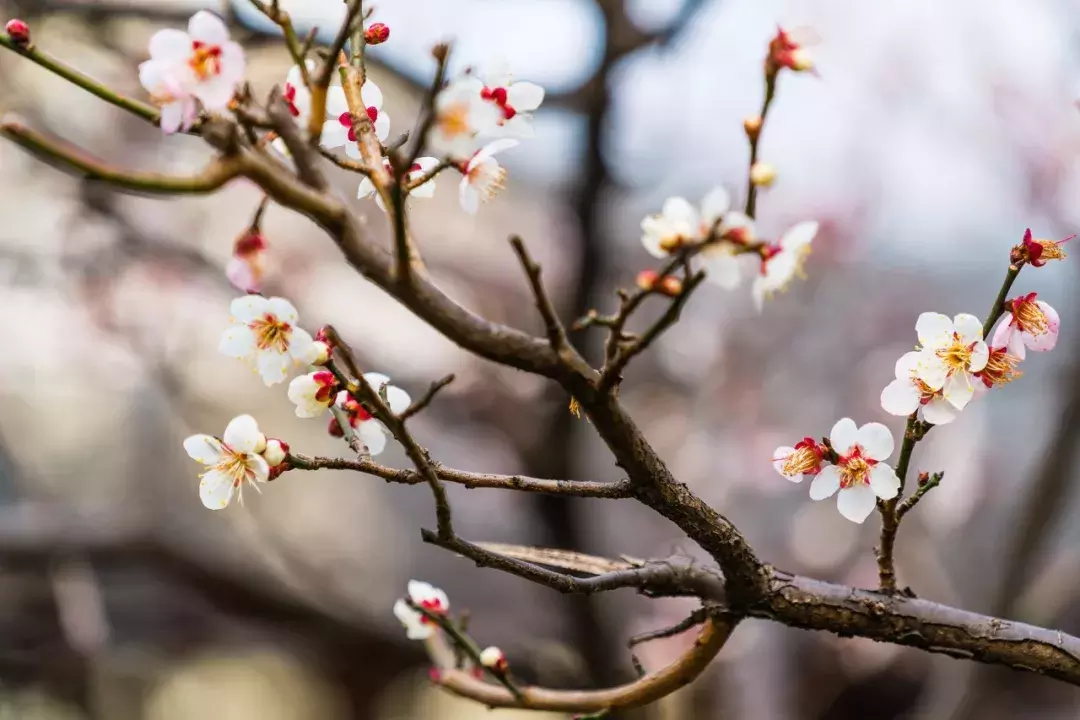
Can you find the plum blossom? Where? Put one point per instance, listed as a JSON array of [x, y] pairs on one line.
[[202, 63], [679, 223], [245, 268], [482, 176], [859, 473], [786, 51], [514, 101], [429, 597], [338, 130], [419, 168], [313, 393], [231, 461], [1037, 251], [907, 394], [782, 261], [370, 431], [1000, 369], [807, 458], [264, 332], [1029, 323], [952, 352], [493, 659], [460, 115]]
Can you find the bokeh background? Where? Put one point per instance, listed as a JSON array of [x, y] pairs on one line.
[[934, 135]]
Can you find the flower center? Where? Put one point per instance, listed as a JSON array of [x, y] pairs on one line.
[[1000, 368], [957, 356], [855, 469], [1030, 318], [487, 178], [498, 96], [454, 120], [804, 461], [205, 60], [271, 333], [234, 465]]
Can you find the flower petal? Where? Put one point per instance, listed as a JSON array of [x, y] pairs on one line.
[[883, 481], [415, 628], [170, 46], [216, 490], [248, 308], [366, 189], [371, 95], [713, 206], [959, 389], [203, 448], [939, 411], [1046, 340], [679, 210], [856, 502], [799, 235], [242, 434], [283, 310], [382, 127], [779, 458], [397, 399], [844, 435], [208, 28], [238, 341], [900, 397], [876, 441], [934, 329], [931, 369], [273, 366], [302, 346], [524, 96], [980, 353], [907, 364], [468, 197], [826, 483], [373, 436], [968, 327]]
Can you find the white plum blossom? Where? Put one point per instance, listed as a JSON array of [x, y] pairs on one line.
[[460, 115], [203, 63], [782, 261], [860, 473], [264, 332], [493, 659], [231, 461], [429, 597], [679, 223], [952, 352], [313, 393], [515, 102], [482, 176], [419, 168], [370, 431], [807, 458], [338, 130], [1029, 324], [907, 393]]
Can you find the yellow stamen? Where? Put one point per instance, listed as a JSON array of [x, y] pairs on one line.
[[800, 462], [454, 120], [575, 407], [271, 333], [1000, 368], [1030, 317], [957, 355], [856, 471]]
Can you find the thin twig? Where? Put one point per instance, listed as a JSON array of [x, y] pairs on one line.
[[345, 163], [556, 333], [932, 482], [425, 400]]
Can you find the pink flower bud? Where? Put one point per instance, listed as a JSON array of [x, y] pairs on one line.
[[276, 451], [493, 659], [334, 428], [376, 34], [18, 31]]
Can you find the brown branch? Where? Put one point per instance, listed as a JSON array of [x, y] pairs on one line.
[[429, 175], [556, 333], [418, 405], [321, 83], [304, 155]]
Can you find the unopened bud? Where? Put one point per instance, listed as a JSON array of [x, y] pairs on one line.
[[321, 353], [260, 445], [249, 243], [924, 477], [762, 174], [799, 60], [646, 279], [650, 280], [493, 659], [276, 451], [752, 126], [334, 428], [439, 52], [275, 472], [376, 33], [18, 31]]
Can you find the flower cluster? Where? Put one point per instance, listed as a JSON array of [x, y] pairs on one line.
[[417, 625]]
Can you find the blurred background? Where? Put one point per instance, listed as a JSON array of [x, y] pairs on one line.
[[934, 135]]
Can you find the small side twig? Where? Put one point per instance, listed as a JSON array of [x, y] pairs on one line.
[[425, 400], [924, 487], [556, 333]]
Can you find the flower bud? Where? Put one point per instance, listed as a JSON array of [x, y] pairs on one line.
[[924, 477], [752, 126], [334, 428], [260, 446], [18, 31], [762, 174], [276, 451], [376, 33], [493, 659], [322, 353], [276, 471], [646, 279], [799, 60], [650, 281]]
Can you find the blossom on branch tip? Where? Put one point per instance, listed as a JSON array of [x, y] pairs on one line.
[[783, 261], [231, 461], [18, 31], [429, 597], [313, 393], [245, 268], [514, 101], [275, 453], [952, 352], [859, 474], [264, 332], [421, 167], [370, 431], [807, 458], [338, 130], [493, 659], [1028, 324], [482, 177], [908, 393], [460, 115], [1037, 251]]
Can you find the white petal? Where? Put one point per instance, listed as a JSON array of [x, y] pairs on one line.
[[242, 434], [715, 203], [939, 411], [1047, 340], [216, 490], [736, 220], [856, 502], [397, 399], [907, 364], [968, 327], [959, 389], [844, 435], [935, 330], [524, 96], [248, 308], [799, 235], [518, 126], [376, 380], [415, 628], [260, 469], [203, 448], [273, 366], [215, 93], [172, 117], [373, 435], [302, 347], [980, 353], [382, 127], [366, 189], [876, 441], [883, 481], [170, 46], [283, 310], [371, 95], [722, 267], [353, 151], [932, 370], [679, 210], [334, 134], [208, 28], [238, 341], [900, 397], [492, 148], [419, 591], [468, 197], [336, 104], [825, 483], [779, 458]]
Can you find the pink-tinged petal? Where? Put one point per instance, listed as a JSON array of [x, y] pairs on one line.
[[958, 390], [876, 441], [779, 458], [900, 397], [856, 502], [825, 483], [980, 353], [248, 308], [302, 346], [934, 329], [243, 275], [799, 235], [722, 267], [932, 370], [238, 341], [216, 490], [242, 434], [382, 127], [273, 366], [736, 220], [208, 28], [713, 206], [373, 436], [907, 364], [524, 96], [203, 448], [170, 46], [172, 117], [883, 481], [216, 93], [844, 436], [939, 411], [468, 197], [283, 310], [371, 95], [1046, 340], [366, 189], [234, 63], [968, 327]]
